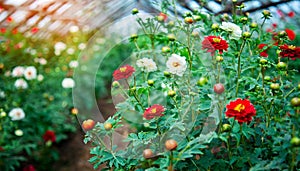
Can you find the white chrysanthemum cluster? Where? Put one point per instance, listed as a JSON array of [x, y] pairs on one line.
[[146, 64], [233, 29], [176, 65]]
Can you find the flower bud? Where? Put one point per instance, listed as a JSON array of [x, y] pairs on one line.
[[115, 84], [167, 74], [150, 82], [134, 11], [226, 127], [244, 20], [282, 34], [215, 26], [165, 49], [253, 25], [171, 37], [267, 78], [281, 65], [2, 114], [188, 20], [134, 36], [275, 86], [266, 13], [171, 24], [263, 61], [246, 35], [160, 18], [171, 93], [197, 17], [219, 58], [202, 81]]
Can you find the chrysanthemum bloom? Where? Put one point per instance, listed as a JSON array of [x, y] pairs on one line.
[[146, 64], [34, 30], [155, 110], [68, 83], [123, 72], [16, 114], [30, 73], [176, 65], [49, 136], [241, 110], [291, 14], [29, 168], [291, 34], [73, 64], [234, 30], [263, 53], [289, 51], [21, 84], [18, 71], [213, 43]]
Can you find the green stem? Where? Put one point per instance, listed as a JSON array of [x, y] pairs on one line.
[[239, 68]]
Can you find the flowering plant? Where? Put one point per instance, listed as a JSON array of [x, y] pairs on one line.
[[196, 95]]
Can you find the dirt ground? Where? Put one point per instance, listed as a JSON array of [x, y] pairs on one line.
[[74, 154]]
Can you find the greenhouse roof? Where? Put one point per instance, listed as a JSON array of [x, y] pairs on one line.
[[59, 15]]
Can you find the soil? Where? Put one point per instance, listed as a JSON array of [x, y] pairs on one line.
[[74, 154]]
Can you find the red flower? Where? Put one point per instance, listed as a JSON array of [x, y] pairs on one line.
[[9, 19], [290, 33], [14, 31], [1, 148], [29, 168], [155, 110], [123, 72], [164, 16], [213, 43], [289, 51], [3, 30], [263, 53], [274, 25], [291, 14], [241, 110], [49, 136], [34, 30]]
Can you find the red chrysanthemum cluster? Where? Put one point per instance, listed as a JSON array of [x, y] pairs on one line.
[[263, 53], [213, 43], [123, 72], [49, 136], [155, 110], [289, 51], [241, 110]]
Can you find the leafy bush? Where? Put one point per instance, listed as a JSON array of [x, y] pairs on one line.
[[203, 93]]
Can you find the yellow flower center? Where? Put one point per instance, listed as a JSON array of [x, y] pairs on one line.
[[153, 110], [123, 69], [216, 40], [239, 107], [292, 47], [175, 64]]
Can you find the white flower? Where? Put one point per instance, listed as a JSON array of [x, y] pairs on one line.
[[42, 61], [82, 46], [234, 30], [18, 132], [74, 29], [30, 73], [73, 64], [70, 51], [147, 65], [176, 65], [68, 83], [16, 114], [21, 84], [40, 77], [18, 71], [2, 94], [60, 46]]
